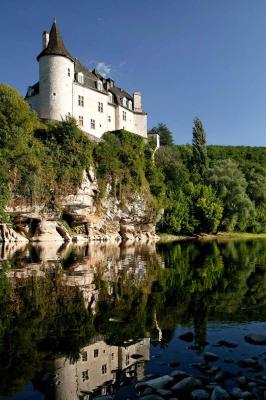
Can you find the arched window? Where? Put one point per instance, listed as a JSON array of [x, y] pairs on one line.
[[124, 101], [110, 97], [81, 78], [130, 104], [100, 85]]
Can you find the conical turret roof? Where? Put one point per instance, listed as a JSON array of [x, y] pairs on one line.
[[56, 45]]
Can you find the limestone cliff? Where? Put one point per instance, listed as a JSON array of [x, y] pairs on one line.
[[91, 217]]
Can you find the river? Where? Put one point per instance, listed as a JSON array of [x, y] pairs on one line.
[[85, 322]]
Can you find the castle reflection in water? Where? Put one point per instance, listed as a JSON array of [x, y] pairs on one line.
[[101, 369]]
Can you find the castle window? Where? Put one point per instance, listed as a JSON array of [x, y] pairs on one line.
[[124, 101], [110, 97], [127, 359], [124, 116], [85, 375], [130, 104], [84, 356], [81, 101], [80, 120], [109, 118], [96, 351], [100, 85], [104, 369], [68, 72], [100, 107], [81, 78], [93, 127]]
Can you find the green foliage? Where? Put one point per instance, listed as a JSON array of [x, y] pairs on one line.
[[166, 136], [230, 185], [69, 152], [208, 209], [200, 158], [125, 161], [176, 217], [119, 158]]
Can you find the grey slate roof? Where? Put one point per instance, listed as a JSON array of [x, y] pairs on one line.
[[90, 77], [56, 45], [35, 89]]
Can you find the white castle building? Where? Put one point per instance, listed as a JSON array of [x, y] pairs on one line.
[[68, 88]]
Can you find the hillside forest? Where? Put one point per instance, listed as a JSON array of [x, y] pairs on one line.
[[192, 189]]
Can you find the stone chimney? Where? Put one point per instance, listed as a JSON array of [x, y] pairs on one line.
[[109, 83], [45, 39], [137, 102]]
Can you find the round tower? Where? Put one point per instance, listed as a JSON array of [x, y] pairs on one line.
[[56, 76]]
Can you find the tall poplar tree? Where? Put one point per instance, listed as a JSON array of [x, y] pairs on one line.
[[200, 157]]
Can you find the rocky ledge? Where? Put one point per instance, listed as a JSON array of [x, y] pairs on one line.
[[82, 217]]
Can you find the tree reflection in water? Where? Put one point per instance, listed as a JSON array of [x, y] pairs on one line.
[[56, 303]]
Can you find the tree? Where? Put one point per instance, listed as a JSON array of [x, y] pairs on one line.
[[230, 185], [166, 136], [168, 161], [200, 157], [207, 209]]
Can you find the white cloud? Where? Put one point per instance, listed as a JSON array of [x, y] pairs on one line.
[[103, 68]]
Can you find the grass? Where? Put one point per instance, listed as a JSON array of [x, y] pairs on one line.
[[165, 237]]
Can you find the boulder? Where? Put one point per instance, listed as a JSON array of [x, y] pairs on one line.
[[199, 394], [219, 394], [187, 385], [187, 337], [158, 383], [210, 356], [256, 338], [50, 231], [178, 374], [226, 343]]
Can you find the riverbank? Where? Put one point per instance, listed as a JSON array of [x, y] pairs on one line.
[[220, 236]]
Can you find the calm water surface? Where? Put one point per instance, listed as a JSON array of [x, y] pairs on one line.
[[89, 321]]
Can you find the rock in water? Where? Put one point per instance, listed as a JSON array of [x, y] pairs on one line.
[[256, 338], [219, 394], [178, 374], [226, 343], [157, 383], [187, 337], [199, 394], [187, 385], [210, 357]]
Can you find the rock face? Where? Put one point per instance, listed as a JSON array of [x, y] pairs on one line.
[[90, 217], [50, 231], [8, 234]]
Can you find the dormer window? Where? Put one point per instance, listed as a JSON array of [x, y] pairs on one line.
[[81, 78], [124, 101], [110, 97], [130, 104], [100, 85]]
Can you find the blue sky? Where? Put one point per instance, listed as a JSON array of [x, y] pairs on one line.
[[189, 58]]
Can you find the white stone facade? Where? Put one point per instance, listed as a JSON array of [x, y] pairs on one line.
[[67, 88]]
